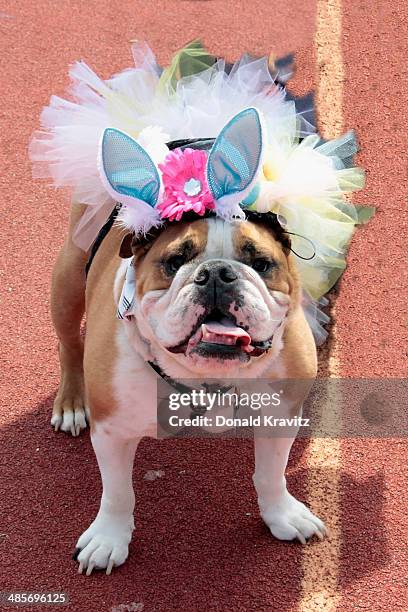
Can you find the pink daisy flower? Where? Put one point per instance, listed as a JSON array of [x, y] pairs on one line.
[[185, 184]]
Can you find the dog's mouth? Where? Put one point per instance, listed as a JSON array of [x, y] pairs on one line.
[[218, 335]]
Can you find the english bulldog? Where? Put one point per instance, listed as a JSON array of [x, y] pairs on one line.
[[211, 297]]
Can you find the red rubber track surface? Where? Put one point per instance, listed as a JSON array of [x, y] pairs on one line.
[[199, 544], [372, 315]]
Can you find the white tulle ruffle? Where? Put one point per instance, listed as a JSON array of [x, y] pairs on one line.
[[196, 106]]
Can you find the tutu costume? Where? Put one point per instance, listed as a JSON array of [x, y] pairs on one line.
[[203, 137]]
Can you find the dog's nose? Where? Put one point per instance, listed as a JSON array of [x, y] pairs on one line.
[[218, 272]]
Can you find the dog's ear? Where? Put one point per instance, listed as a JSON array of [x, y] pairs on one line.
[[139, 246], [125, 250]]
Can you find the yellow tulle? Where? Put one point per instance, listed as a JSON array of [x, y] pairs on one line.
[[305, 184], [190, 60]]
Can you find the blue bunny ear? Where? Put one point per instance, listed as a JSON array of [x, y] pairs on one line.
[[234, 162], [130, 177], [127, 170]]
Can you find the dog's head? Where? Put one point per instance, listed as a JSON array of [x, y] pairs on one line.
[[211, 294]]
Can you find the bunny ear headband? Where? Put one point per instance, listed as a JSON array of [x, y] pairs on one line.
[[124, 140], [188, 179]]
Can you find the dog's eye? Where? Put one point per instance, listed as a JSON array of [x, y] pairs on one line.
[[261, 265], [172, 264]]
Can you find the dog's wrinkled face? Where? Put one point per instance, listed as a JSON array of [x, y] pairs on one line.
[[211, 294]]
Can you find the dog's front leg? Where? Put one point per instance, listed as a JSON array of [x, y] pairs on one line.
[[286, 517], [105, 543]]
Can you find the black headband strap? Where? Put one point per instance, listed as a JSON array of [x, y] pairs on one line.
[[307, 240], [194, 143]]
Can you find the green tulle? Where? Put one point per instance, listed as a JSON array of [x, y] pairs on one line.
[[191, 59]]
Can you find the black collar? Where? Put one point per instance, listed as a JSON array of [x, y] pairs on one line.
[[196, 410], [173, 383]]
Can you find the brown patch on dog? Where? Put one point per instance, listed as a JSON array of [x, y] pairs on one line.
[[101, 325], [185, 240], [299, 348], [254, 242], [67, 309]]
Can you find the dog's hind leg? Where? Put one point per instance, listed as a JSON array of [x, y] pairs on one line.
[[67, 310]]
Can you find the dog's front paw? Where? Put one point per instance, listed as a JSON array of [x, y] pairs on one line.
[[104, 545], [289, 519]]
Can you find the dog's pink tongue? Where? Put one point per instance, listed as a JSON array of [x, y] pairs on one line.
[[225, 332]]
